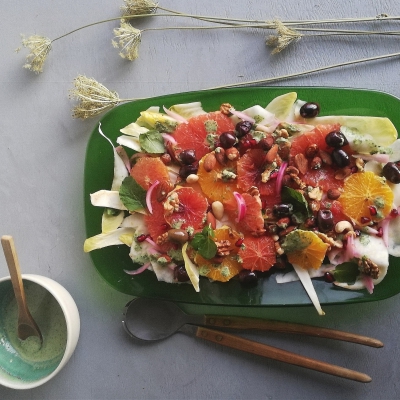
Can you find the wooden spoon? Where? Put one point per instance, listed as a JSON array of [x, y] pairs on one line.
[[26, 324]]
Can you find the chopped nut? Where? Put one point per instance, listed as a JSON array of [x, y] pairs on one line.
[[162, 239], [192, 178], [284, 150], [267, 172], [210, 218], [298, 181], [314, 205], [343, 226], [333, 194], [301, 163], [223, 247], [329, 240], [291, 170], [343, 173], [287, 230], [163, 188], [266, 143], [360, 164], [232, 154], [278, 248], [209, 162], [325, 157], [171, 204], [283, 223], [217, 209], [220, 155], [311, 151], [166, 159], [271, 154], [316, 163], [368, 267], [225, 108], [316, 193]]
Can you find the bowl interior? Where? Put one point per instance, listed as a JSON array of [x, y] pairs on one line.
[[27, 361]]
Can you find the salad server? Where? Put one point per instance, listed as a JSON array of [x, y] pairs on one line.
[[152, 319]]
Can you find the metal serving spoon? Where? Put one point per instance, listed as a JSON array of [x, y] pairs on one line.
[[152, 319], [26, 324]]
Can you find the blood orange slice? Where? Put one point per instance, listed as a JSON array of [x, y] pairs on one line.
[[185, 208], [258, 253], [194, 134], [149, 169]]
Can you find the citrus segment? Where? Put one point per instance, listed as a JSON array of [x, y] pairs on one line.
[[250, 169], [195, 134], [258, 253], [185, 208], [253, 221], [149, 169], [305, 249], [214, 185], [225, 269], [366, 197]]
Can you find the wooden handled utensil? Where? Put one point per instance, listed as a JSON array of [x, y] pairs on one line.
[[26, 324]]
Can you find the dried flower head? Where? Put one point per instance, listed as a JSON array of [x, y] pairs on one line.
[[127, 38], [138, 7], [285, 36], [39, 47], [93, 97]]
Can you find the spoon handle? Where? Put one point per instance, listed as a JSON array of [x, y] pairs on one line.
[[15, 273], [274, 353], [221, 321]]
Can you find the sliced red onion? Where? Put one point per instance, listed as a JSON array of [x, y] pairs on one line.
[[279, 178], [381, 158], [350, 249], [385, 231], [154, 244], [139, 270], [169, 138], [174, 115], [124, 157], [368, 283], [148, 196], [241, 204], [268, 129], [371, 231], [242, 116]]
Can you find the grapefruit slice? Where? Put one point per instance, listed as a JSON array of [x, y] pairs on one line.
[[149, 169], [258, 253]]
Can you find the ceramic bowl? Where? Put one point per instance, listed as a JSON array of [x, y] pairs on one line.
[[26, 364]]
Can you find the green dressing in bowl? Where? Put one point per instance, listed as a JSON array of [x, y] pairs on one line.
[[27, 360]]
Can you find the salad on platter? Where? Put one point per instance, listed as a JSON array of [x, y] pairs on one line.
[[243, 194]]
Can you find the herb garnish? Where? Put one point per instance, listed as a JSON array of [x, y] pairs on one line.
[[152, 142], [203, 243], [132, 195], [346, 272]]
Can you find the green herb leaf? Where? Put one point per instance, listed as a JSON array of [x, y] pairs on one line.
[[132, 195], [346, 272], [152, 142], [208, 249], [204, 244], [295, 198]]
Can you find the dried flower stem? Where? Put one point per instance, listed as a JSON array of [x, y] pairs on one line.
[[94, 98], [310, 71]]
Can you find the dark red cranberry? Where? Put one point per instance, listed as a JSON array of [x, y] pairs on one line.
[[239, 242], [394, 212], [341, 158], [248, 277], [380, 232], [187, 170], [309, 110], [328, 276], [227, 140], [325, 220], [180, 273], [243, 128], [336, 139], [391, 172], [187, 157]]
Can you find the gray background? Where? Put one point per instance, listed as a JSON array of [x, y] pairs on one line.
[[41, 184]]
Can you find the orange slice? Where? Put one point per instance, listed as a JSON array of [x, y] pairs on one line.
[[305, 249], [366, 197]]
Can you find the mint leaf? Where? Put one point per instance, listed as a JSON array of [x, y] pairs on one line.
[[346, 272], [208, 248], [197, 241], [295, 198], [132, 195], [152, 142]]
